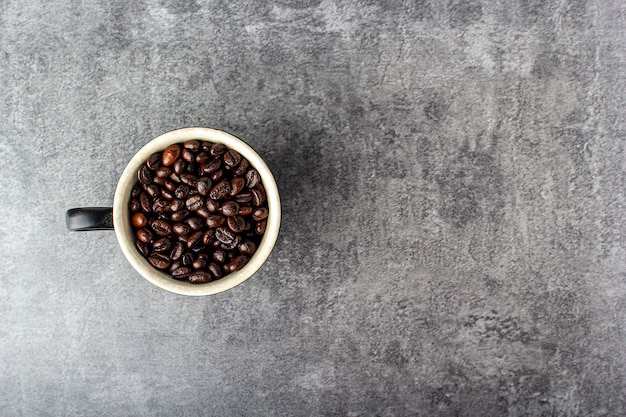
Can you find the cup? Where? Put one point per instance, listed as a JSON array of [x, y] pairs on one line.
[[118, 217]]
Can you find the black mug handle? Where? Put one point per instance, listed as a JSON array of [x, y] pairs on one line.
[[89, 218]]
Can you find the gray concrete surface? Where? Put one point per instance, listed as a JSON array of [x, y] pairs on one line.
[[452, 174]]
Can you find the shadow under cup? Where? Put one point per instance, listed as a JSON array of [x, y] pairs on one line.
[[126, 236]]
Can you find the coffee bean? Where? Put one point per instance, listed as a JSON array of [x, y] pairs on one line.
[[199, 277], [247, 248], [181, 229], [181, 191], [163, 172], [161, 227], [187, 155], [236, 185], [224, 235], [192, 145], [194, 203], [195, 223], [154, 161], [245, 210], [211, 166], [217, 175], [237, 263], [220, 190], [160, 206], [208, 237], [252, 178], [203, 157], [198, 264], [243, 197], [189, 179], [152, 190], [215, 270], [229, 208], [145, 202], [258, 197], [259, 228], [170, 185], [232, 157], [236, 223], [174, 177], [162, 245], [134, 205], [168, 195], [180, 215], [176, 205], [218, 149], [179, 166], [194, 239], [159, 261], [203, 186], [242, 168], [232, 245], [144, 235], [219, 255], [135, 191], [177, 251], [170, 155], [212, 205], [144, 248], [139, 220], [182, 272], [175, 265], [260, 213], [215, 220], [143, 175], [187, 259]]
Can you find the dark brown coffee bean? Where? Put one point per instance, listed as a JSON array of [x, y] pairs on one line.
[[237, 263], [242, 168], [212, 205], [181, 229], [195, 223], [217, 175], [163, 172], [134, 205], [203, 255], [193, 145], [174, 177], [203, 158], [181, 191], [236, 223], [179, 166], [143, 175], [187, 155], [162, 245], [247, 248], [175, 265], [208, 237], [158, 181], [198, 264], [160, 206], [189, 179], [232, 157], [182, 272], [211, 166], [194, 239], [194, 203], [203, 212], [203, 186], [236, 185], [245, 210], [215, 270], [215, 220], [232, 245], [168, 195], [153, 190], [145, 202], [219, 255], [259, 228], [220, 190], [224, 235], [176, 204], [145, 235], [243, 197], [253, 178], [170, 155], [187, 259], [199, 277], [161, 227], [180, 215], [136, 191], [154, 161], [258, 197], [139, 220], [144, 248], [260, 213], [170, 185], [159, 261], [217, 149], [229, 208], [177, 251]]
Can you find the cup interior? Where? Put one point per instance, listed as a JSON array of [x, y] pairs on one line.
[[126, 236]]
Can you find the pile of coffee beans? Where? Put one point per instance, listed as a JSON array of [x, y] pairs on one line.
[[198, 210]]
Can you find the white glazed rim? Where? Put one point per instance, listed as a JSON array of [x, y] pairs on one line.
[[126, 237]]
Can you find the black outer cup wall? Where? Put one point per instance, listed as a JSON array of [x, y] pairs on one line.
[[89, 218]]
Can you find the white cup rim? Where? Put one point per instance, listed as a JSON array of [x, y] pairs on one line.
[[125, 234]]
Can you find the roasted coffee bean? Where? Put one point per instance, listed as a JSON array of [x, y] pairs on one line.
[[220, 190], [258, 197], [158, 181], [162, 245], [152, 190], [160, 206], [217, 175], [174, 177], [243, 197], [145, 235], [229, 208], [179, 216], [236, 185], [175, 265], [224, 235], [211, 166], [182, 272], [219, 255], [212, 205], [170, 155], [236, 223], [215, 220], [181, 229], [187, 155], [194, 239], [245, 210], [203, 255], [144, 248], [187, 259], [198, 264], [203, 212], [161, 227], [139, 220], [177, 251], [237, 263], [253, 178], [176, 205], [163, 172], [134, 205], [189, 179], [247, 248], [203, 185], [136, 191], [170, 185], [199, 277], [168, 195], [259, 228], [260, 213], [145, 202], [232, 157], [154, 161], [159, 261], [218, 149], [179, 166], [192, 145], [195, 223], [208, 237], [203, 157], [232, 245], [242, 168], [194, 203], [215, 270], [181, 191], [143, 175]]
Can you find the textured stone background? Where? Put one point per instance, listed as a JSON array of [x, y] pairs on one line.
[[452, 174]]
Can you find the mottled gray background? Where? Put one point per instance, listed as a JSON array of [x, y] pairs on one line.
[[452, 174]]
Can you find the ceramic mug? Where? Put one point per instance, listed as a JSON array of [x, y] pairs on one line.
[[118, 217]]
